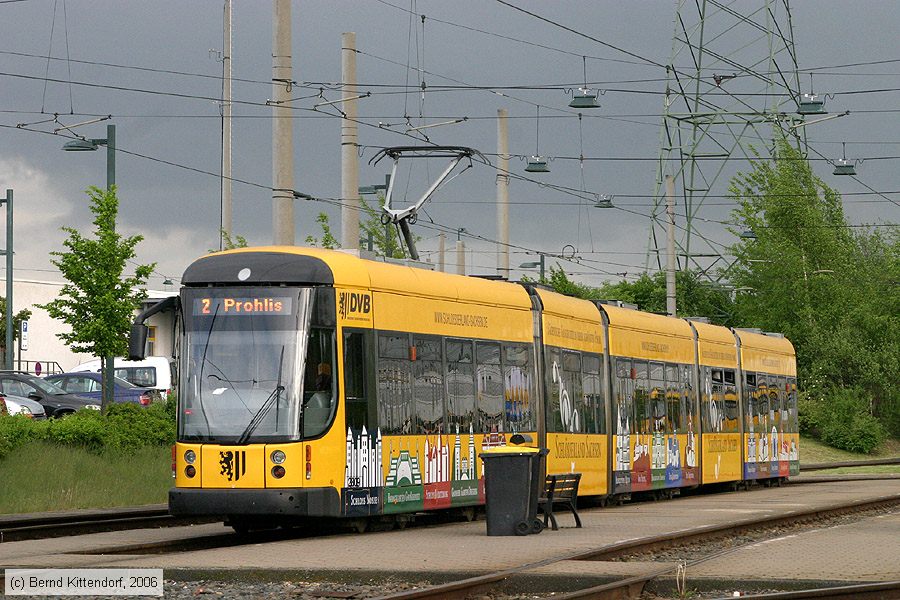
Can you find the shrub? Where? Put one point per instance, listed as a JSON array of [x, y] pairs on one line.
[[845, 421], [124, 428], [131, 427], [85, 428], [14, 432], [809, 413]]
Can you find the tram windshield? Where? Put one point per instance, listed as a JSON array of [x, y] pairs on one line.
[[242, 363]]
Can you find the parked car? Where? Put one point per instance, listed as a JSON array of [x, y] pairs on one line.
[[155, 372], [88, 385], [16, 405], [54, 399]]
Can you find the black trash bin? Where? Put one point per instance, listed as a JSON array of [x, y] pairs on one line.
[[512, 488]]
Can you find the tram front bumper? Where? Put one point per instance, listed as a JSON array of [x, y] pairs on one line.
[[296, 502]]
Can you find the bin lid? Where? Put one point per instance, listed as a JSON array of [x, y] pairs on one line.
[[501, 450]]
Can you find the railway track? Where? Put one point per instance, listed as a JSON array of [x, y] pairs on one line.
[[37, 526], [14, 528], [632, 587]]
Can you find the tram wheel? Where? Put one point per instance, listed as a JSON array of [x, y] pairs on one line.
[[359, 525], [240, 526]]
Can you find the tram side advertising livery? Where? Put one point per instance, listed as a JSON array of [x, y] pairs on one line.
[[317, 384]]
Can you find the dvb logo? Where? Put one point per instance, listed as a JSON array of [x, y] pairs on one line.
[[353, 303]]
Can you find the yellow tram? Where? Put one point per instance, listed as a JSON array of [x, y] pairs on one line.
[[315, 383]]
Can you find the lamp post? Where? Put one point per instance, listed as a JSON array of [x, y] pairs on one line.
[[535, 265], [91, 145], [372, 190]]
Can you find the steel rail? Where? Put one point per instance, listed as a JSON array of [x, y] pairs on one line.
[[863, 591], [631, 587], [28, 527]]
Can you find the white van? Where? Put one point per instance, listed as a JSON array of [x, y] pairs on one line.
[[154, 372]]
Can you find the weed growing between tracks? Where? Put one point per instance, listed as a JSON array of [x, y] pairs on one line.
[[42, 476]]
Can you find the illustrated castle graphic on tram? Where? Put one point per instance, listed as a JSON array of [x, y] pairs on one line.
[[437, 460], [363, 467]]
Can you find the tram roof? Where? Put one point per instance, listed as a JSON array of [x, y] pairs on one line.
[[303, 265], [628, 318], [716, 334], [567, 306], [769, 343]]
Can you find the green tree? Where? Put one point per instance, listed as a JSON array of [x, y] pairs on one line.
[[328, 240], [385, 238], [561, 283], [694, 296], [230, 243], [22, 315], [98, 302], [833, 292]]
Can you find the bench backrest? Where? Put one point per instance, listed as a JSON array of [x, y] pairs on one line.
[[564, 485]]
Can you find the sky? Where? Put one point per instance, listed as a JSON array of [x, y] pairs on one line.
[[154, 67]]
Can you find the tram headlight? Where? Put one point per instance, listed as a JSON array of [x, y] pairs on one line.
[[277, 471], [190, 456], [278, 457], [190, 471]]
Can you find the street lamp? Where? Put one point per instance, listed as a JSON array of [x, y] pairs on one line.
[[371, 190], [535, 265], [90, 145]]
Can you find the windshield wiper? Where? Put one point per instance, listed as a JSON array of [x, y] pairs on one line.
[[273, 398]]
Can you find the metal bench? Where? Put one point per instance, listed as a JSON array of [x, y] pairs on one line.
[[560, 489]]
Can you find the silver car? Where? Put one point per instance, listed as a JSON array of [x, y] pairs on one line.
[[18, 405]]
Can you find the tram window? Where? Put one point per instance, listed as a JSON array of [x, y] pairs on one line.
[[319, 389], [395, 402], [591, 406], [641, 397], [781, 407], [792, 405], [555, 384], [673, 400], [489, 386], [360, 412], [564, 382], [572, 417], [624, 390], [428, 385], [393, 345], [659, 421], [762, 401], [518, 387], [730, 402], [750, 419], [687, 398], [712, 406], [460, 379]]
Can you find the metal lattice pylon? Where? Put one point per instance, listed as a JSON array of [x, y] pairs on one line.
[[732, 78]]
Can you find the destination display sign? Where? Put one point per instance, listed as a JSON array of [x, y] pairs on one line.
[[234, 307]]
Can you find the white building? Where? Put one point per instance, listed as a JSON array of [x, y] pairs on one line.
[[46, 348]]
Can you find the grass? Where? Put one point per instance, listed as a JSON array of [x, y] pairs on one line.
[[42, 477], [814, 451], [886, 469]]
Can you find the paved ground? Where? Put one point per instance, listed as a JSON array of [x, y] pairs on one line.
[[864, 551]]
